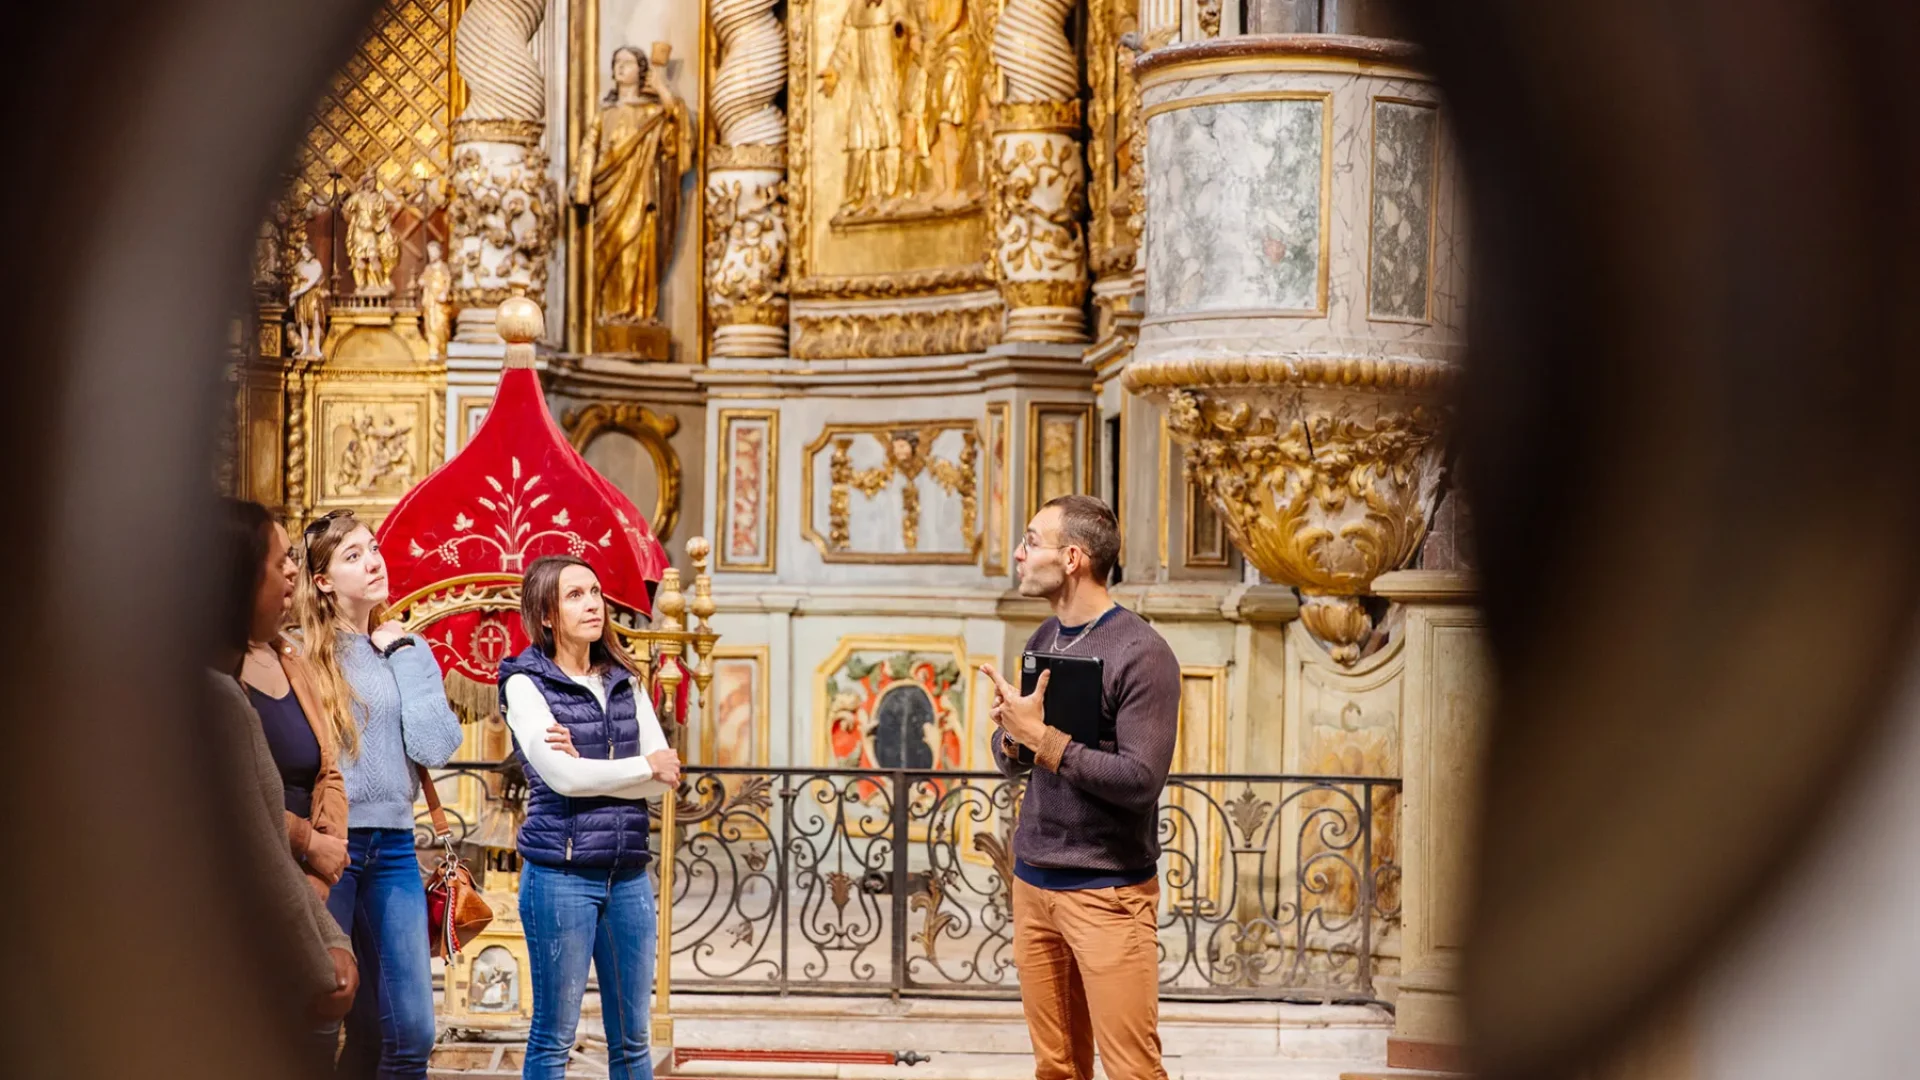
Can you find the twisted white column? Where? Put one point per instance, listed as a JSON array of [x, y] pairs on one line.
[[494, 49], [1039, 178], [753, 71], [746, 203], [504, 211], [1030, 45]]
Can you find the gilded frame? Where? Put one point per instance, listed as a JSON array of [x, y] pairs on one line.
[[1037, 412], [1202, 893], [999, 445], [723, 492], [811, 534], [1217, 557], [652, 431], [762, 656], [1433, 200], [802, 81], [954, 647]]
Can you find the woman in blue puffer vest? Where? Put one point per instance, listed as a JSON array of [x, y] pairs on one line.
[[584, 890]]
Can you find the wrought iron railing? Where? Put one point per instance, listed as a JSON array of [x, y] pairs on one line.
[[835, 881]]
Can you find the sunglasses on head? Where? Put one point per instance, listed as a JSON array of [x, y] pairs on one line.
[[319, 525]]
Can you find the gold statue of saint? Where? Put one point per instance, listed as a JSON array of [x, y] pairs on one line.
[[630, 164], [371, 247]]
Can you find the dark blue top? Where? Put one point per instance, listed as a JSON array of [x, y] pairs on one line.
[[295, 751]]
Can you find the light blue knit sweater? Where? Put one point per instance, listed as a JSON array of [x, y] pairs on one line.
[[404, 718]]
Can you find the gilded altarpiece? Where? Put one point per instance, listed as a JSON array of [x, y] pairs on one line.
[[889, 154]]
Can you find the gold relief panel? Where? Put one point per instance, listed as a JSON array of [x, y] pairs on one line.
[[960, 323], [999, 487], [1111, 113], [741, 726], [889, 138], [1059, 452], [893, 493], [373, 446], [652, 431], [748, 489]]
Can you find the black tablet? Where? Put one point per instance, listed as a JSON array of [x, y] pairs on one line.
[[1075, 693]]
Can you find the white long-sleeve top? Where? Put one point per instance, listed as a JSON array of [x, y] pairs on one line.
[[529, 717]]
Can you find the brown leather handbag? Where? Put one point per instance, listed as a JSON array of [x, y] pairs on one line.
[[456, 912]]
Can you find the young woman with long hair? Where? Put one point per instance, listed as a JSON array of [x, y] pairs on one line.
[[584, 891], [381, 692], [253, 607]]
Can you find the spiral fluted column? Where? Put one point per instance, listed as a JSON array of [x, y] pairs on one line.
[[505, 208], [1039, 176], [746, 197]]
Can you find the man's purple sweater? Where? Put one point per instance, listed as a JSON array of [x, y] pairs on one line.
[[1088, 809]]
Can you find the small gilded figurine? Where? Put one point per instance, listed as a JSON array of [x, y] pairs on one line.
[[371, 247], [307, 298], [436, 300]]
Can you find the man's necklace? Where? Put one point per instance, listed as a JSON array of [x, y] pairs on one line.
[[1056, 647]]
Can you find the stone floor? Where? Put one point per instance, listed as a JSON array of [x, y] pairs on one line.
[[965, 1040]]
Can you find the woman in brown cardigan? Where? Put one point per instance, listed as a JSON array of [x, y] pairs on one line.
[[280, 686]]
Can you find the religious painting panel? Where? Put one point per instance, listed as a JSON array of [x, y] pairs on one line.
[[999, 485], [906, 492], [1277, 142], [1059, 452], [1406, 136], [741, 728], [896, 702], [748, 487], [487, 983]]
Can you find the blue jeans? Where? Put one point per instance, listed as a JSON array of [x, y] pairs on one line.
[[572, 916], [381, 900]]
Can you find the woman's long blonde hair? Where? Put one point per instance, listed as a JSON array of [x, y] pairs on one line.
[[319, 616]]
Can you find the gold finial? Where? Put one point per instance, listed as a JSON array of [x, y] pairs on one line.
[[702, 607], [671, 601], [519, 322]]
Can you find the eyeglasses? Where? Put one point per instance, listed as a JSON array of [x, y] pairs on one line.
[[1029, 543]]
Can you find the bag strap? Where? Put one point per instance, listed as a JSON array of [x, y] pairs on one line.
[[441, 831]]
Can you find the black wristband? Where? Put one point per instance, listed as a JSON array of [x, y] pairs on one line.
[[398, 644]]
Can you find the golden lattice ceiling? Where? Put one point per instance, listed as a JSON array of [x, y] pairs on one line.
[[389, 107]]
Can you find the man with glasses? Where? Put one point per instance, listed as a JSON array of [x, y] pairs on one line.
[[1086, 886]]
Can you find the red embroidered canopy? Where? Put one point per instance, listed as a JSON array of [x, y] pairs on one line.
[[519, 490]]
